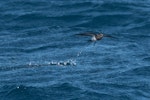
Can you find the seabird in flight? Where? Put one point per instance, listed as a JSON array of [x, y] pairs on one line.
[[95, 36]]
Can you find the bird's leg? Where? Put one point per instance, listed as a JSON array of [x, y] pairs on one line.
[[92, 42]]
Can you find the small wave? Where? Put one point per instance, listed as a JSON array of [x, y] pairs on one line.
[[29, 16], [65, 86], [33, 49], [23, 92], [138, 71], [146, 59], [20, 92]]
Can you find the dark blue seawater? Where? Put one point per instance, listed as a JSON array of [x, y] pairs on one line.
[[41, 58]]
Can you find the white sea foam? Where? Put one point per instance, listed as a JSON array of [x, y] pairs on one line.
[[69, 62], [63, 63]]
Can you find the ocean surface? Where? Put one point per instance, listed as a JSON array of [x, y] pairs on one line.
[[42, 58]]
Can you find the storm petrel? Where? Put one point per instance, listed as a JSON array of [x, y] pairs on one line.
[[95, 36]]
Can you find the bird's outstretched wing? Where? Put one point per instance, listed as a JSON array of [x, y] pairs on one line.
[[106, 35], [87, 34]]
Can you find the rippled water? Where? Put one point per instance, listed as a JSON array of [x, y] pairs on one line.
[[41, 58]]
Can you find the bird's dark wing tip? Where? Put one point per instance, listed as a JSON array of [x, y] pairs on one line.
[[106, 35]]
